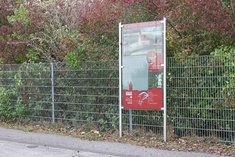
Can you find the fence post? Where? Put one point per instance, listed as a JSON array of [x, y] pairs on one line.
[[164, 86], [120, 80], [130, 120], [52, 93]]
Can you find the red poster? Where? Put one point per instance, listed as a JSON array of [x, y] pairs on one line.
[[145, 100], [142, 60]]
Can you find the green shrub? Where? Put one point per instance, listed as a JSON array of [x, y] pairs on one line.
[[6, 108]]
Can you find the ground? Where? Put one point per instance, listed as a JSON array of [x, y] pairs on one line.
[[14, 149], [186, 144]]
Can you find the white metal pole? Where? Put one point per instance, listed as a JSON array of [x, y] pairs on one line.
[[165, 74], [120, 80], [52, 93]]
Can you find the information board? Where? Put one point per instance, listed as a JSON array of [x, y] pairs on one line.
[[142, 52]]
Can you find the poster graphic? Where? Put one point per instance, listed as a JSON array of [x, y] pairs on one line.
[[150, 99], [142, 59]]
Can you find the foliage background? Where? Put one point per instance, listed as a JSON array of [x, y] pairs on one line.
[[73, 31], [48, 30]]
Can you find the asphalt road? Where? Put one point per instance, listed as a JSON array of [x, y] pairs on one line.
[[15, 143], [13, 149]]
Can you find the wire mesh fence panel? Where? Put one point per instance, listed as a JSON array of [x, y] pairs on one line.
[[27, 87], [147, 122], [87, 94], [201, 94]]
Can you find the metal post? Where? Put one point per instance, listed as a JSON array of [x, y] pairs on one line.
[[130, 119], [52, 93], [164, 83], [120, 80]]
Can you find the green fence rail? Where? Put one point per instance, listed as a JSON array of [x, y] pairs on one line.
[[200, 96]]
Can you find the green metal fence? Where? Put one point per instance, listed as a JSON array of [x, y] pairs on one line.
[[200, 96]]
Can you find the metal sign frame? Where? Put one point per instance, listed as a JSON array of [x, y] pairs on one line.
[[121, 81]]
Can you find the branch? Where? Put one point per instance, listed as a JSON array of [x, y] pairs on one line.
[[174, 28]]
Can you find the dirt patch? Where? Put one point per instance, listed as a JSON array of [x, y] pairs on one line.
[[196, 144]]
